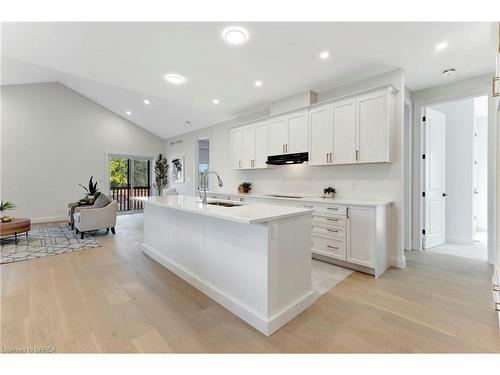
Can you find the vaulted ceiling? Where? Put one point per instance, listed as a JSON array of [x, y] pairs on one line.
[[119, 65]]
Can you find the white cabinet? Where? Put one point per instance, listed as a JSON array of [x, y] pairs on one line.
[[249, 146], [361, 236], [261, 144], [236, 148], [351, 131], [321, 135], [278, 135], [344, 131], [373, 127], [289, 133]]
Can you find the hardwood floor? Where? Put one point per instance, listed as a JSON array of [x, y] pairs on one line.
[[114, 299]]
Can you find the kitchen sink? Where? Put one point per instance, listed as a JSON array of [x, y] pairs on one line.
[[284, 196], [224, 204]]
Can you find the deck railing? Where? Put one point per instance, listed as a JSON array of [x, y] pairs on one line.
[[122, 196]]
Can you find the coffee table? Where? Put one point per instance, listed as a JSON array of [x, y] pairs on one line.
[[15, 227]]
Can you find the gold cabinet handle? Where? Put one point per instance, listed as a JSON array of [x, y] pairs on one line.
[[496, 81]]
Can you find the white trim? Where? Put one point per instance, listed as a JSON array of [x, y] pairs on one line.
[[48, 219], [398, 261], [265, 325]]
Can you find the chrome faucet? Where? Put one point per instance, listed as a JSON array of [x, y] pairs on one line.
[[204, 180]]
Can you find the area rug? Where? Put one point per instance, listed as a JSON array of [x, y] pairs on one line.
[[45, 240]]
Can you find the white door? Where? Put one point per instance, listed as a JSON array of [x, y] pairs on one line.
[[298, 133], [321, 135], [236, 149], [344, 132], [361, 236], [261, 145], [248, 147], [372, 137], [434, 178], [278, 136]]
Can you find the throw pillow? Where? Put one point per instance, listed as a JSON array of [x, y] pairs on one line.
[[101, 201]]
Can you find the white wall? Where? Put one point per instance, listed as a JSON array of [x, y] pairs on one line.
[[476, 86], [459, 169], [384, 181], [53, 139]]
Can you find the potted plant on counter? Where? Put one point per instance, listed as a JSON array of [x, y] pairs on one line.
[[329, 192], [245, 187]]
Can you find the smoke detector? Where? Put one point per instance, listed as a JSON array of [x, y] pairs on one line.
[[449, 72]]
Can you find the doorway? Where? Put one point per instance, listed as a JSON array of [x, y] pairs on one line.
[[454, 163], [129, 176], [202, 160]]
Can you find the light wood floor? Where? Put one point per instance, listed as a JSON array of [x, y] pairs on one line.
[[115, 299]]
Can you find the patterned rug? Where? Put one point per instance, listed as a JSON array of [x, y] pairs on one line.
[[45, 240]]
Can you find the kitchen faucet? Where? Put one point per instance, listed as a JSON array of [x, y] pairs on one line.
[[204, 181]]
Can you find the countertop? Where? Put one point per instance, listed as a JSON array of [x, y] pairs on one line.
[[246, 213], [306, 199]]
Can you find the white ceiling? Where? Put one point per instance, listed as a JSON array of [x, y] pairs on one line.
[[120, 64]]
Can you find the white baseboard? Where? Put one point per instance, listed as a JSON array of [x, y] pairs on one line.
[[48, 219], [398, 261], [265, 325]]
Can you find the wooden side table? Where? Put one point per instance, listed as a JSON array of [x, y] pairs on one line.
[[15, 227]]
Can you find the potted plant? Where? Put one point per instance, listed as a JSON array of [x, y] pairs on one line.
[[161, 174], [92, 192], [245, 187], [5, 206], [329, 192]]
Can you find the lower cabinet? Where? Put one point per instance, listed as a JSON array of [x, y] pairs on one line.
[[351, 236]]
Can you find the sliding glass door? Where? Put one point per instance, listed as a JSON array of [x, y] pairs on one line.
[[129, 177]]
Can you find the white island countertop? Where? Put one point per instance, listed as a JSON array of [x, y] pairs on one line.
[[245, 213]]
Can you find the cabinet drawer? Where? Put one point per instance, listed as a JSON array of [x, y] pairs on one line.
[[322, 209], [329, 247], [328, 220], [333, 231]]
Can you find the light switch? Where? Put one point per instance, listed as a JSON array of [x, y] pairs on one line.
[[275, 231]]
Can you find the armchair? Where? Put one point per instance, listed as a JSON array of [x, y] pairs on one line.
[[89, 218]]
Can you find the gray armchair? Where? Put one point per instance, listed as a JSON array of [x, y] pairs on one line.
[[89, 218]]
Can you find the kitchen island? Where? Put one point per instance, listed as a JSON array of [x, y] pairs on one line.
[[253, 259]]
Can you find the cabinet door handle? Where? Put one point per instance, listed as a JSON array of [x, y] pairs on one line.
[[332, 247], [327, 157], [496, 288], [347, 212], [283, 148], [332, 208], [357, 155], [332, 230], [330, 219]]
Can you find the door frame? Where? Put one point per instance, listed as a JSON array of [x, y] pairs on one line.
[[443, 96]]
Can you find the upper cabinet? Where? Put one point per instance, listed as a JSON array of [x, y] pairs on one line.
[[289, 134], [249, 146], [353, 130]]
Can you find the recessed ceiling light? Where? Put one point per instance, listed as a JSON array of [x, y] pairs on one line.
[[449, 72], [146, 101], [324, 55], [258, 83], [128, 113], [175, 79], [235, 35], [215, 101], [441, 46]]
